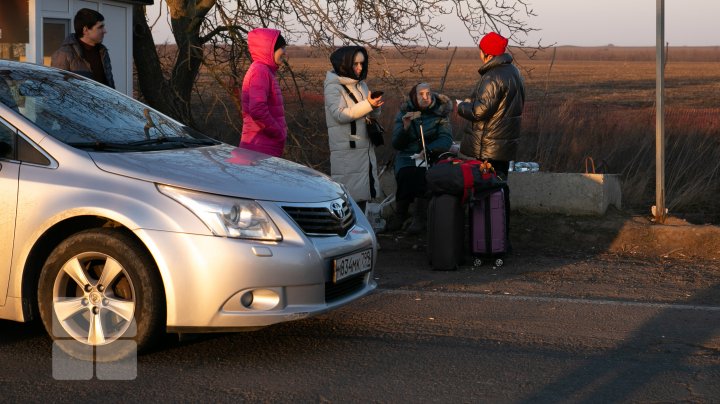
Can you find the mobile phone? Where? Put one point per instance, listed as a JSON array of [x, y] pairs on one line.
[[376, 94], [412, 115]]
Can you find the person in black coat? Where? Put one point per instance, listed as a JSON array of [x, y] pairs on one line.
[[495, 108]]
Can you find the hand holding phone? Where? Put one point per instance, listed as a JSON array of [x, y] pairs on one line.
[[376, 94]]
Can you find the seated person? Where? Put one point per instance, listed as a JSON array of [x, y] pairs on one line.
[[425, 113]]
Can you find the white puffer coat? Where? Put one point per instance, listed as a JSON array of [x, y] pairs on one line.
[[355, 167]]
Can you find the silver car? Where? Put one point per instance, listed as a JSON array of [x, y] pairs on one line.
[[119, 223]]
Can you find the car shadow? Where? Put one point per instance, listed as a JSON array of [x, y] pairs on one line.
[[14, 332]]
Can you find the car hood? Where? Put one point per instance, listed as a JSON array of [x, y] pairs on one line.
[[224, 170]]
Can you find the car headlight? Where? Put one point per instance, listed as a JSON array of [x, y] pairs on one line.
[[226, 216]]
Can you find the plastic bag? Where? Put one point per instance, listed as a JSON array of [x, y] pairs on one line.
[[373, 212]]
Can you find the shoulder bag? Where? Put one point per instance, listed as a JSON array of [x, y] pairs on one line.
[[374, 129]]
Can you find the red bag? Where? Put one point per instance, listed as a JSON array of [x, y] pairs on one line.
[[461, 177]]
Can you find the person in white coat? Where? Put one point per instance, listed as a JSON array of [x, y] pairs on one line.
[[347, 102]]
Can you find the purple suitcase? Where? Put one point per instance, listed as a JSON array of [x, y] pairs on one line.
[[488, 226]]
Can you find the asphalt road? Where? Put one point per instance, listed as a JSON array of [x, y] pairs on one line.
[[405, 345]]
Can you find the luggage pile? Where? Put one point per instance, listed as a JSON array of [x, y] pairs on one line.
[[457, 185]]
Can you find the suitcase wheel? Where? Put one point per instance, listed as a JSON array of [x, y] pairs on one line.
[[477, 262], [499, 262]]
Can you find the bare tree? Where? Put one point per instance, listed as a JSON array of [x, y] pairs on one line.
[[407, 26]]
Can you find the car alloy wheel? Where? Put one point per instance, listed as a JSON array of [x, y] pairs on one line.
[[93, 298], [100, 289]]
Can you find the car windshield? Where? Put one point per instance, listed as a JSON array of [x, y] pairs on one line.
[[86, 114]]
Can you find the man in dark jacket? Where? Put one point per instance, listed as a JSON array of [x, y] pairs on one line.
[[83, 52], [425, 113], [496, 107]]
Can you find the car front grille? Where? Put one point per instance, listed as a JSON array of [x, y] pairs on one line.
[[335, 291], [325, 219]]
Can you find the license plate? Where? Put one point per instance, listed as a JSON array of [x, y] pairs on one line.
[[352, 264]]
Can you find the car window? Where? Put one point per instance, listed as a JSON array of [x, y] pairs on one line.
[[27, 153], [15, 147], [7, 141], [79, 111], [6, 95]]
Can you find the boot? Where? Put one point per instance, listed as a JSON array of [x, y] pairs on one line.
[[401, 214], [419, 221]]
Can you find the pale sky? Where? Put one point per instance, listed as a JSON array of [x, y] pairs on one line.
[[626, 22], [594, 23]]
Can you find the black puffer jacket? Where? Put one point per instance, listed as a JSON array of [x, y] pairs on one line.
[[495, 111]]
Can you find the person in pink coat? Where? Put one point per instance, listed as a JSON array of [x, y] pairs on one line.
[[264, 129]]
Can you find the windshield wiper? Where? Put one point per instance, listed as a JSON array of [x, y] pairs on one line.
[[102, 146], [175, 140], [161, 142]]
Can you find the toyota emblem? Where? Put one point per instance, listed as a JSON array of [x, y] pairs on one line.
[[337, 210]]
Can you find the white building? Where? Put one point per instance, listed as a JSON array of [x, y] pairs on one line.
[[31, 30]]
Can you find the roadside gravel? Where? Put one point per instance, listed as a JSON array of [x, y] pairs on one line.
[[617, 256]]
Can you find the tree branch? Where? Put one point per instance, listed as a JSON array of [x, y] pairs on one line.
[[217, 30]]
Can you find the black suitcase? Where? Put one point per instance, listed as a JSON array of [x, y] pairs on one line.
[[446, 232]]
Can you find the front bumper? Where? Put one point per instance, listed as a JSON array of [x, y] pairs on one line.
[[206, 277]]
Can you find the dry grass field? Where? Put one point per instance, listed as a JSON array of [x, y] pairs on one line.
[[597, 102]]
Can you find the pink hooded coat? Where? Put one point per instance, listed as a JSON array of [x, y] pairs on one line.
[[264, 129]]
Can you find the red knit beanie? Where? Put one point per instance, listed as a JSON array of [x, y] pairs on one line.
[[493, 44]]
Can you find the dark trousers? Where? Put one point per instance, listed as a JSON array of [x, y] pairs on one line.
[[410, 183]]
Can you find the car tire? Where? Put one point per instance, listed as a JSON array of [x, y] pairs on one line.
[[100, 296]]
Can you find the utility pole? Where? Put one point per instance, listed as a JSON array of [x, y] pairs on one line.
[[659, 211]]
